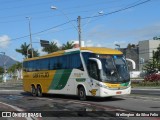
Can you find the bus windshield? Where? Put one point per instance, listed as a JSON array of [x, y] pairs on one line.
[[114, 69]]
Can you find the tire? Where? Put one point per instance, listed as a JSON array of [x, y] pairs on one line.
[[33, 90], [39, 91], [82, 93]]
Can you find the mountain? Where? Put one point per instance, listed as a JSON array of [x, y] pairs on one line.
[[8, 61]]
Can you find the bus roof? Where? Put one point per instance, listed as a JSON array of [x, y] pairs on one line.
[[101, 50], [97, 50]]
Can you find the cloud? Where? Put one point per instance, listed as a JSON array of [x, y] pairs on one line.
[[100, 36], [41, 52], [4, 41], [92, 43], [58, 42]]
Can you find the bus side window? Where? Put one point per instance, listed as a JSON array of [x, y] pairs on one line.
[[25, 66], [52, 62], [29, 66], [75, 61], [93, 70]]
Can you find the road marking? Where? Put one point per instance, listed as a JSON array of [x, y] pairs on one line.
[[11, 90], [18, 109], [13, 107]]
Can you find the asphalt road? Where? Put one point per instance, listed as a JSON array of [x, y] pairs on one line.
[[12, 98], [70, 107], [146, 91]]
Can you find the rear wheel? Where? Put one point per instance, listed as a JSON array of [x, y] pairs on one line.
[[39, 91], [82, 93], [33, 90]]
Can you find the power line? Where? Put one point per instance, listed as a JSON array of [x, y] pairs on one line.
[[53, 27], [70, 13], [40, 12], [39, 32], [122, 9], [22, 6]]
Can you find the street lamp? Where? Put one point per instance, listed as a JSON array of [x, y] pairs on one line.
[[55, 8], [30, 34], [117, 46], [95, 14], [79, 26]]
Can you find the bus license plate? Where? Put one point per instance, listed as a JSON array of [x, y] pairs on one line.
[[118, 92]]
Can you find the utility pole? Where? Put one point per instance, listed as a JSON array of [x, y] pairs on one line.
[[79, 30], [30, 35]]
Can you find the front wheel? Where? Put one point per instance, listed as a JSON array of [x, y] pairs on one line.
[[82, 93], [39, 91]]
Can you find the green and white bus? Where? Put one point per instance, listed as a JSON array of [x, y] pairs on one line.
[[85, 71]]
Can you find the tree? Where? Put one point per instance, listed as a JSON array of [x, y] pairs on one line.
[[1, 70], [68, 45], [23, 50], [15, 67], [156, 38], [156, 56], [52, 47], [154, 62], [149, 67], [129, 46]]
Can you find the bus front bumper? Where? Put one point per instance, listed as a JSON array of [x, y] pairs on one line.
[[104, 92]]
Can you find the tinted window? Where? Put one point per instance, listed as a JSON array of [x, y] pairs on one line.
[[93, 70], [86, 56], [75, 61], [71, 61]]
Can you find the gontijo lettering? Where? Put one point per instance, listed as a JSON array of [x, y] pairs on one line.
[[41, 75]]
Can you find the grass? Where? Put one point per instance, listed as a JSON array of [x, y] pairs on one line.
[[146, 84]]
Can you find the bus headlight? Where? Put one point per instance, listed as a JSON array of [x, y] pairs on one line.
[[102, 85]]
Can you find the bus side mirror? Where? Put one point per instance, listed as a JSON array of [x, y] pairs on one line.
[[99, 64], [133, 63]]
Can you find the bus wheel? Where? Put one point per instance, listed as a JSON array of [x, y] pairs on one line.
[[82, 93], [33, 90], [39, 91]]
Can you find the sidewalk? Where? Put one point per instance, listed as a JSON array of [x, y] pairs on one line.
[[146, 88], [11, 85]]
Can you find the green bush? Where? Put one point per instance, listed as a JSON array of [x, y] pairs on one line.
[[146, 84]]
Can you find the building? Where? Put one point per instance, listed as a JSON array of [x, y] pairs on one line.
[[146, 49], [132, 53]]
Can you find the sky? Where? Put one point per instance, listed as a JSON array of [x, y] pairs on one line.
[[104, 23]]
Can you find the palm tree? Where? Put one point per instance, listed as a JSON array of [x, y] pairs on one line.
[[68, 45], [23, 50], [52, 47], [15, 67]]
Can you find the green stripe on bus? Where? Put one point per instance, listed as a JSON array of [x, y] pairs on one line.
[[124, 84], [66, 53], [56, 79], [60, 79]]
